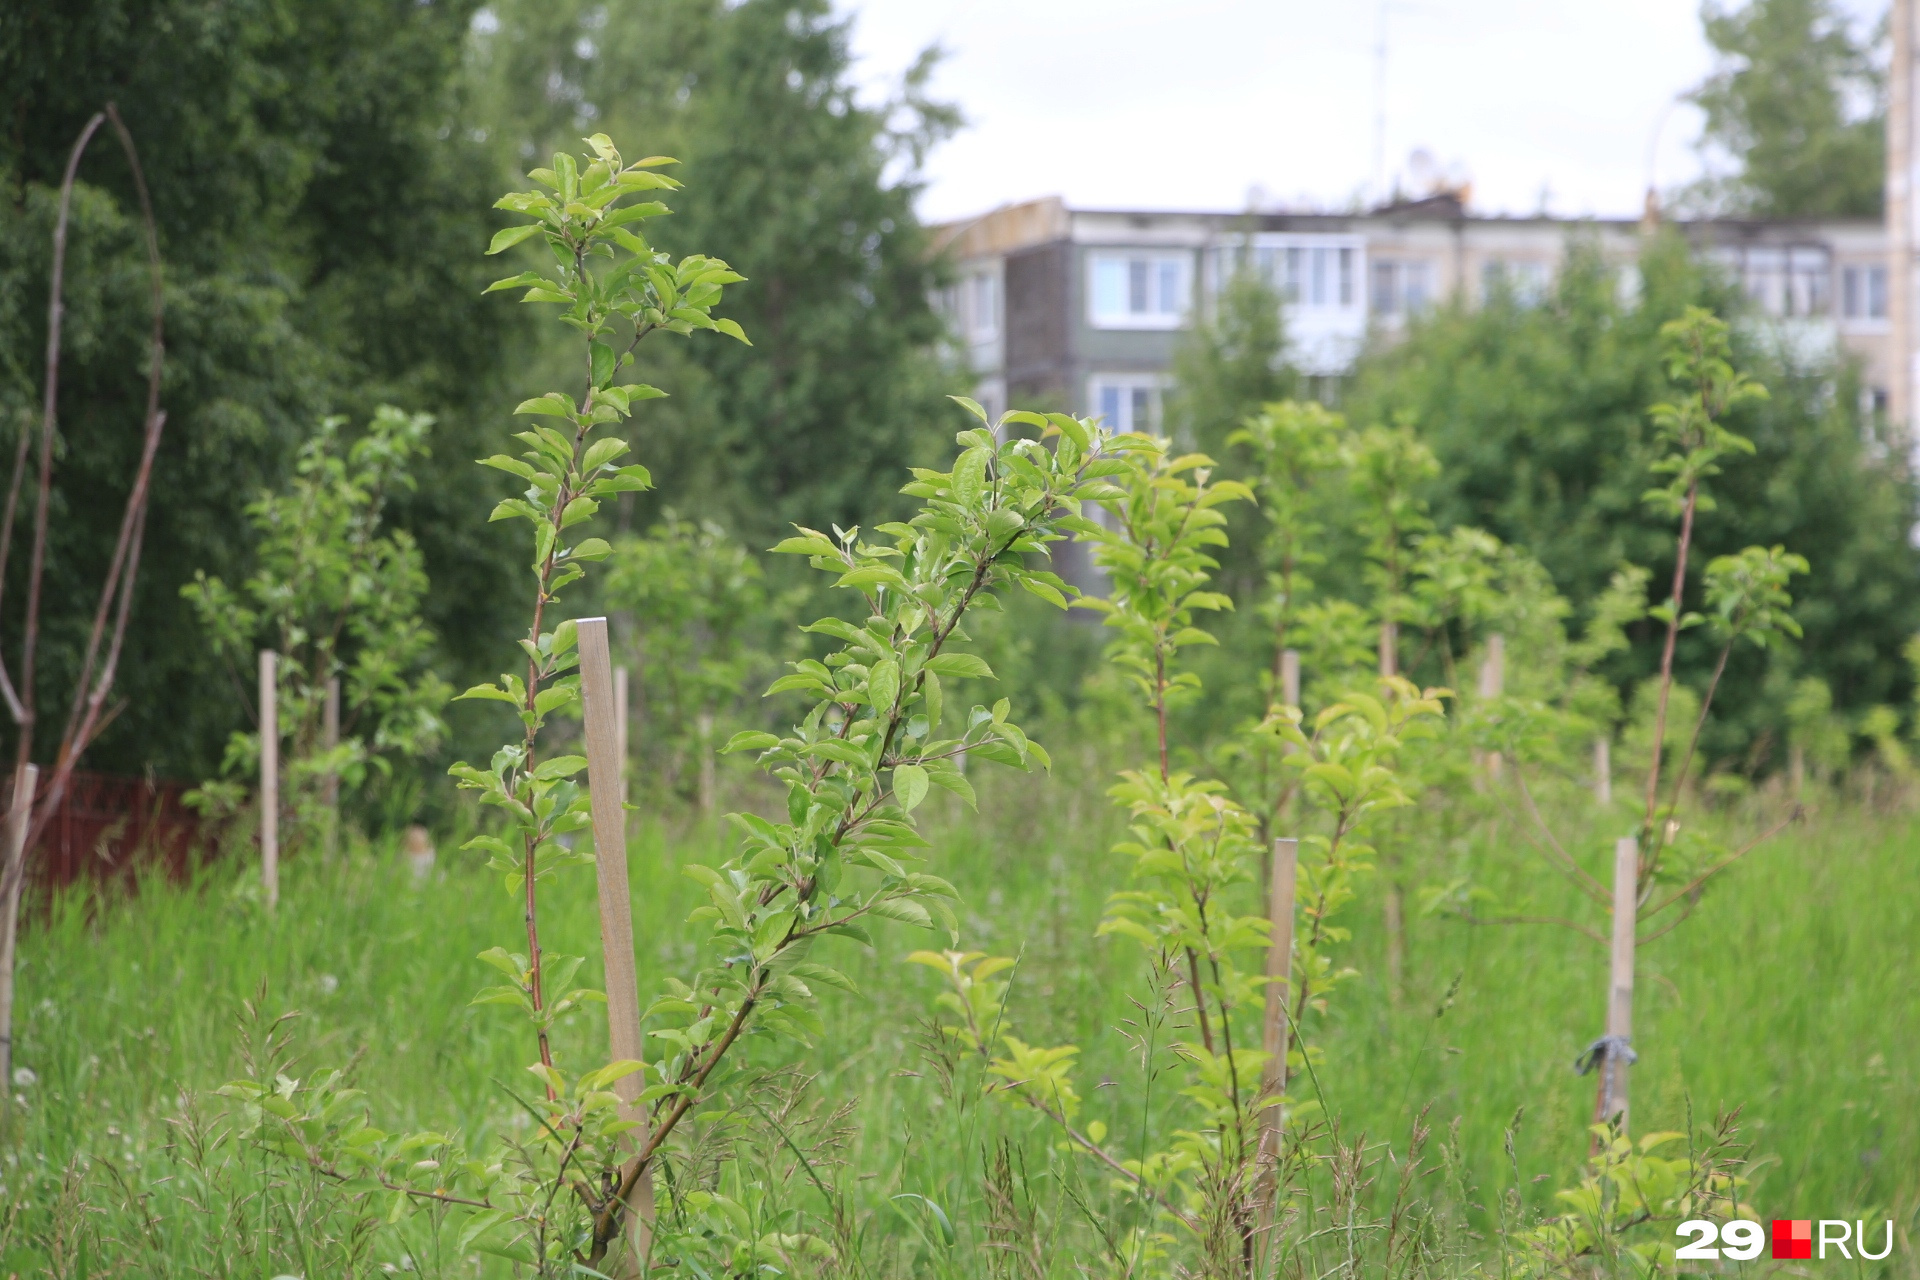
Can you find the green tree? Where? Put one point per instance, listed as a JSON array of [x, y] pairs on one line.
[[1537, 416], [812, 191], [337, 595], [1227, 368], [703, 629], [1798, 104], [318, 196]]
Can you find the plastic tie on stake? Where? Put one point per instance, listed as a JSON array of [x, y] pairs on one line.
[[1602, 1049]]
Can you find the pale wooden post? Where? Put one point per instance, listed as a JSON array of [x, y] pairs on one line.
[[417, 844], [13, 868], [620, 707], [1603, 770], [1614, 1061], [616, 903], [329, 739], [703, 725], [1290, 677], [1280, 906], [1493, 683], [1389, 648], [270, 776]]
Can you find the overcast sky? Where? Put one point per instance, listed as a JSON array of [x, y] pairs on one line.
[[1138, 104]]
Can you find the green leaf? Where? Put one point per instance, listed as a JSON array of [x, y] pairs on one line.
[[553, 404], [601, 452], [501, 462], [910, 785], [953, 780], [905, 910], [591, 549], [520, 281], [511, 236], [883, 684], [560, 767], [960, 665], [602, 359], [809, 544], [486, 693]]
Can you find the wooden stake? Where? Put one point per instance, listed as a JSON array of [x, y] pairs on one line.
[[1290, 677], [12, 868], [1389, 648], [329, 739], [270, 776], [1603, 770], [1613, 1065], [1493, 683], [616, 904], [620, 707], [703, 725]]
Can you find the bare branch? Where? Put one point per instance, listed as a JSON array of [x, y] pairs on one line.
[[1559, 856], [49, 408], [1714, 870], [1562, 921], [87, 717], [6, 551]]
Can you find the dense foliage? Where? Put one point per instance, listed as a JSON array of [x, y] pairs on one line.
[[318, 200], [337, 595], [1796, 113], [320, 172], [758, 100], [1537, 416]]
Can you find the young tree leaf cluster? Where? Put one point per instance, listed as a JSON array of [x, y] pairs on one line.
[[338, 595]]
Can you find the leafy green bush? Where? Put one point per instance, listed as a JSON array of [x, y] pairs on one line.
[[703, 630], [338, 595]]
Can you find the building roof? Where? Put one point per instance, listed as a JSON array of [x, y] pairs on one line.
[[1016, 226]]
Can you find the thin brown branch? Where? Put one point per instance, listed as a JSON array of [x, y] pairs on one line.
[[87, 695], [1650, 912], [1574, 925], [1661, 838], [6, 553], [1105, 1157], [1585, 882], [84, 719], [49, 409], [1666, 653]]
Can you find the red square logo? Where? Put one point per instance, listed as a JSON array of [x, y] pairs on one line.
[[1793, 1237]]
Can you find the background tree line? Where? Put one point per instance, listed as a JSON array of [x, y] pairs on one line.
[[304, 272], [283, 142]]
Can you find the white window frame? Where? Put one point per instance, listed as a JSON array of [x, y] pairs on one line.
[[1157, 261], [1400, 272], [1124, 387], [1789, 282], [1289, 261], [1858, 281], [1529, 281], [982, 289]]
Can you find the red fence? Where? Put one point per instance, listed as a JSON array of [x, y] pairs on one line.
[[108, 828]]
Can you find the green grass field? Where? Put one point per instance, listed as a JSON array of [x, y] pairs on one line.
[[1793, 994]]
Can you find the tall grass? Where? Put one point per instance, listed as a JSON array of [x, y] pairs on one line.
[[1794, 994]]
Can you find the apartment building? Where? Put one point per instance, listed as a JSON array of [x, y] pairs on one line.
[[1083, 309]]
